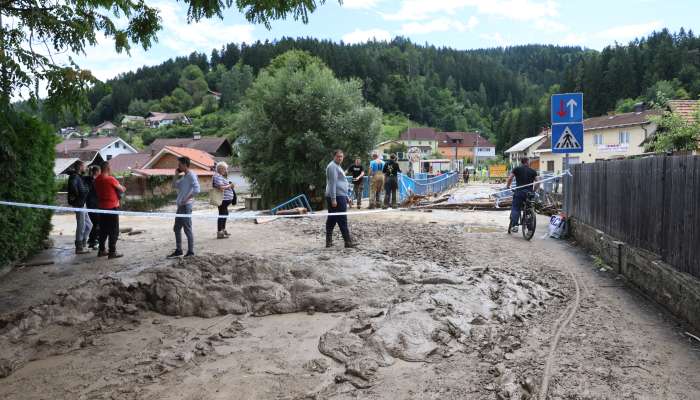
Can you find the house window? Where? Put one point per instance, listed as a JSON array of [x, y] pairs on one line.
[[109, 157], [598, 139], [116, 145], [550, 166], [624, 137]]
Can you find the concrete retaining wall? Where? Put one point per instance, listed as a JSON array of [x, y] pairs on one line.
[[678, 292]]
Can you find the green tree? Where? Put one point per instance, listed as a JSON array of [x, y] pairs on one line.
[[294, 115], [234, 83], [178, 101], [398, 148], [674, 133], [209, 104], [138, 107], [193, 82]]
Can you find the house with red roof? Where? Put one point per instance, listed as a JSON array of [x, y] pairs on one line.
[[165, 162], [465, 145]]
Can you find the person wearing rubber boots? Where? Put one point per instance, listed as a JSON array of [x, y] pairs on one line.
[[337, 200], [391, 173], [357, 171], [376, 177]]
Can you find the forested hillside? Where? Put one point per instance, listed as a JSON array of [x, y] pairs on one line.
[[501, 92]]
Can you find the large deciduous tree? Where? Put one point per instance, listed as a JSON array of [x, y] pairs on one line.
[[293, 116]]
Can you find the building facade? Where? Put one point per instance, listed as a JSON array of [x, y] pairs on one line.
[[605, 138]]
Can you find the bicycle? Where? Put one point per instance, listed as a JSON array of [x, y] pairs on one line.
[[528, 217]]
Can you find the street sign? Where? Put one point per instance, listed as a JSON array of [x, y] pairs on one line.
[[567, 108], [567, 138]]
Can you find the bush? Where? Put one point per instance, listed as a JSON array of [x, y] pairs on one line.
[[26, 172]]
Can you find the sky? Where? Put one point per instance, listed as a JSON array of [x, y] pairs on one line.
[[460, 24]]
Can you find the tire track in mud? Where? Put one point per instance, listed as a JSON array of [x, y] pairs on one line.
[[560, 326]]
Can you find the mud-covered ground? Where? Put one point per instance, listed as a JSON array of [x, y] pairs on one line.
[[440, 305]]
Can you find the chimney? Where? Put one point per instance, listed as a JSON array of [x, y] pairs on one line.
[[640, 107], [83, 143], [197, 136]]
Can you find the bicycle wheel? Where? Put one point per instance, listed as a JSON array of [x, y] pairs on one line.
[[529, 222]]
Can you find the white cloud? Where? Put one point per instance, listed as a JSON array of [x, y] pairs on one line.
[[204, 35], [360, 4], [495, 39], [438, 25], [627, 32], [520, 10], [361, 36], [573, 39], [550, 26]]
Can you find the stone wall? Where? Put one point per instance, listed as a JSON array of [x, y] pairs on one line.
[[677, 291]]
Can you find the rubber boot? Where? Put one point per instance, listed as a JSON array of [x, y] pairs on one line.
[[349, 244], [329, 240]]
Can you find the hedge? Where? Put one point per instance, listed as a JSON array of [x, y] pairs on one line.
[[26, 175]]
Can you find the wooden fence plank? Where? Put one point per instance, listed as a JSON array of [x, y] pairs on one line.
[[651, 203]]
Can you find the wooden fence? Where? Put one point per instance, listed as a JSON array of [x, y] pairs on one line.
[[650, 203]]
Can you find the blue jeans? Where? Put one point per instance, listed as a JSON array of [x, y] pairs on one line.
[[341, 220], [184, 223], [83, 227], [519, 198]]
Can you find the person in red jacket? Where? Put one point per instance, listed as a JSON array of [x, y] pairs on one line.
[[109, 191]]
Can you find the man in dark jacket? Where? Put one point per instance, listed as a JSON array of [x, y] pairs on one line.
[[391, 172], [92, 204], [77, 195]]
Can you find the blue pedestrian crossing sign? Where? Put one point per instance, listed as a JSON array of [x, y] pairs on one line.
[[567, 108], [567, 138]]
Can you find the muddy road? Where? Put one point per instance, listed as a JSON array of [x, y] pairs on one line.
[[432, 305]]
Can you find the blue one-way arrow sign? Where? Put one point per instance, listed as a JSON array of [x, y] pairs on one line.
[[567, 108]]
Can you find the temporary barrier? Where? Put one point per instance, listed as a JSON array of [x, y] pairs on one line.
[[297, 202], [423, 187]]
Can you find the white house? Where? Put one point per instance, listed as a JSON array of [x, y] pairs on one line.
[[85, 148], [525, 148]]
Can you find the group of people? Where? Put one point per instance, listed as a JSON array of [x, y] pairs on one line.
[[383, 177], [98, 189]]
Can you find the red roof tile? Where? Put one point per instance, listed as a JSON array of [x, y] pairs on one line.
[[169, 172], [93, 144], [687, 109], [198, 157], [126, 162], [209, 144], [619, 120], [468, 139], [419, 134]]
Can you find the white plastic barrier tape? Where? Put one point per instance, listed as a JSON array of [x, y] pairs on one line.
[[174, 215], [463, 199], [234, 217]]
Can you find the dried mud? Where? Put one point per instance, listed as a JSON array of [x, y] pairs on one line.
[[418, 311]]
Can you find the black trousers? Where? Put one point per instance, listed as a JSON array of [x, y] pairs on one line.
[[391, 186], [109, 231], [95, 232], [341, 220], [223, 210]]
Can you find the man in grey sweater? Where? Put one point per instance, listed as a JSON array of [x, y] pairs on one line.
[[337, 199], [187, 187]]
